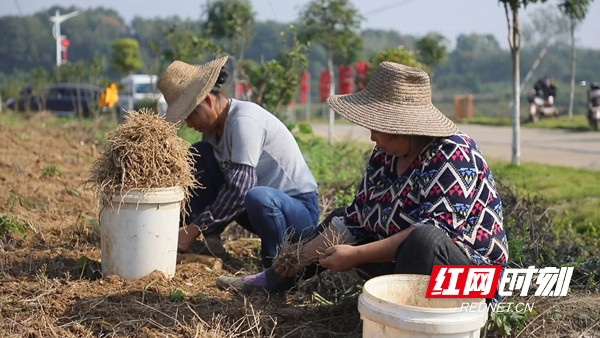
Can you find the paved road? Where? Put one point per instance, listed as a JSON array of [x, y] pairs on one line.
[[555, 147]]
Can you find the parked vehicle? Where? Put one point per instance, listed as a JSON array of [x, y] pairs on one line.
[[140, 90], [594, 105], [63, 99], [541, 100]]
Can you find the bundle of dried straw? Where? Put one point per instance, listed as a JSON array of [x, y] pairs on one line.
[[143, 153]]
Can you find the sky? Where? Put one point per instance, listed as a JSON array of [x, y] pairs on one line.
[[409, 17]]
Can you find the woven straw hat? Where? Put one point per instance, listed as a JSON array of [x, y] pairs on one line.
[[397, 100], [185, 86]]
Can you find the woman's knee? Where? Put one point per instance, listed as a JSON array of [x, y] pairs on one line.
[[423, 236], [426, 246]]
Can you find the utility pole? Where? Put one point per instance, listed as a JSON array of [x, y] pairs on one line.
[[58, 19]]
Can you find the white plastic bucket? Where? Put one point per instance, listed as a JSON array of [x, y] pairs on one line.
[[395, 306], [139, 233]]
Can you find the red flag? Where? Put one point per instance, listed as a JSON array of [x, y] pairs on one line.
[[324, 82]]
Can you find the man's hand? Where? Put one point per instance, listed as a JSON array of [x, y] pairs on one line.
[[187, 236]]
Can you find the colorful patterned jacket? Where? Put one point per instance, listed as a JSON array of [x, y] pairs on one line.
[[449, 186]]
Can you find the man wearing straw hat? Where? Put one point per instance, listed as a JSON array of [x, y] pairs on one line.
[[427, 197], [248, 163]]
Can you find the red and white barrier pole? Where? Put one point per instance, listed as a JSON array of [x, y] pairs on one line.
[[536, 63]]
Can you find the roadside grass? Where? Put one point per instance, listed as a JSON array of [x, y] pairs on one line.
[[553, 183], [576, 123], [488, 121]]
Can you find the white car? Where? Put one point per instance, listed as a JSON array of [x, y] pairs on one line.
[[138, 87]]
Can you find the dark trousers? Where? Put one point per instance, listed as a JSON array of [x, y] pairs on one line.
[[425, 247]]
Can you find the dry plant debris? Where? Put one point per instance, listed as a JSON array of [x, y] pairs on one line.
[[291, 256], [143, 153]]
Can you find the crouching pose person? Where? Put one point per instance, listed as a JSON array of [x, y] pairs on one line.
[[248, 164], [427, 196]]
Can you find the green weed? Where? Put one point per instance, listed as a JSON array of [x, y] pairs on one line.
[[93, 222], [180, 295], [145, 289], [89, 268], [24, 137], [506, 323], [10, 224], [51, 170]]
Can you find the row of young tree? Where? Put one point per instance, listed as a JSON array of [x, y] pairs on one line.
[[269, 57]]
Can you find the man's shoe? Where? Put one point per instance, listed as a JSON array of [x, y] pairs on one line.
[[236, 283], [214, 244]]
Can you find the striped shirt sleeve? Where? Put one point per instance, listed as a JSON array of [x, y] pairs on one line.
[[239, 179]]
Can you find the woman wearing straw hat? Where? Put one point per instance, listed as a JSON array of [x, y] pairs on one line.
[[426, 198], [248, 163]]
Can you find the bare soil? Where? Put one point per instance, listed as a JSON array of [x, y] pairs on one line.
[[51, 284], [46, 290]]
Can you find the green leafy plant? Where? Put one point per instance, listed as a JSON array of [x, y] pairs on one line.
[[89, 268], [506, 323], [10, 224], [145, 289], [94, 223], [24, 137], [180, 295], [305, 128], [51, 170]]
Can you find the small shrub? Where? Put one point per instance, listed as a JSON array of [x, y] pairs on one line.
[[51, 170], [10, 224], [506, 323]]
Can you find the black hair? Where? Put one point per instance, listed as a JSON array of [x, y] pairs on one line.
[[221, 79]]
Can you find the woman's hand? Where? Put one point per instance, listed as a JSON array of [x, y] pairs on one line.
[[339, 257], [285, 270]]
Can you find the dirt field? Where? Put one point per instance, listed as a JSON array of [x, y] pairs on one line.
[[47, 291], [51, 285]]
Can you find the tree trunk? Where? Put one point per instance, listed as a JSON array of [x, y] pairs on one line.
[[572, 92], [514, 41], [130, 93], [331, 92]]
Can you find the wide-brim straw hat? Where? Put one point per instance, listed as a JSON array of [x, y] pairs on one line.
[[397, 100], [185, 86]]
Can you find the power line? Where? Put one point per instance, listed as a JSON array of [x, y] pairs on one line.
[[386, 7], [18, 7], [272, 9]]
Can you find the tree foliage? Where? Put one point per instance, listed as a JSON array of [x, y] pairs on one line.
[[398, 55], [274, 83], [232, 20], [187, 46], [477, 64], [432, 49], [335, 24], [126, 57]]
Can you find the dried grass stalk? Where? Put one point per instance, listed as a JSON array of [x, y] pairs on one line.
[[291, 256], [143, 153]]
